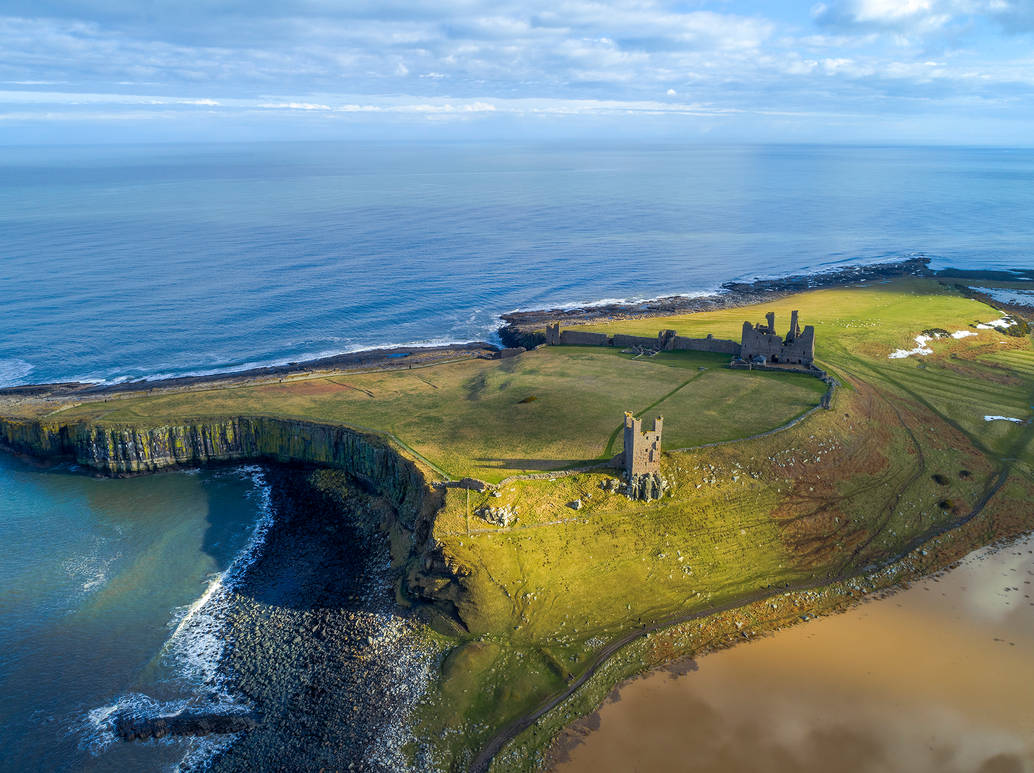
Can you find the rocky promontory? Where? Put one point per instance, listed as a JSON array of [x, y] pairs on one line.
[[524, 328]]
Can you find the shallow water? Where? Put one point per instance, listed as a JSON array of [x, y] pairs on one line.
[[935, 679], [93, 574]]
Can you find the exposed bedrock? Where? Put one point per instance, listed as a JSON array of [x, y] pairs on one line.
[[120, 450], [130, 727], [124, 450]]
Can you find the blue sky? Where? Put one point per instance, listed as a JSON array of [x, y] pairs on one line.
[[898, 71]]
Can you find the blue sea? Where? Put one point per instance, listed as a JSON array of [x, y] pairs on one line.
[[144, 261], [131, 262]]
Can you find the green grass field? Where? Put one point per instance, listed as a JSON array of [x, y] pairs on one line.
[[477, 418], [905, 451]]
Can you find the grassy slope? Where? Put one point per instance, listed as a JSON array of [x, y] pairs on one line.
[[468, 417], [841, 491]]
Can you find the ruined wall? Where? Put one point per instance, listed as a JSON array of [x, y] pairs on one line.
[[666, 340], [579, 338], [623, 341], [709, 344]]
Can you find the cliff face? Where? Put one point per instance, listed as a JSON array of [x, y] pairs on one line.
[[119, 450]]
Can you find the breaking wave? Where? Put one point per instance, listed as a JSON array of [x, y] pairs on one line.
[[195, 649], [14, 371]]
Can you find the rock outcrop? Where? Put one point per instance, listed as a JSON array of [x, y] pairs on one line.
[[130, 727], [121, 450], [372, 460], [645, 487]]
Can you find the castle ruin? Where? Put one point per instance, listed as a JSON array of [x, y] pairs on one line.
[[665, 341], [641, 459], [761, 345], [642, 455]]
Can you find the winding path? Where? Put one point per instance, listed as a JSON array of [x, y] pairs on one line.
[[481, 762]]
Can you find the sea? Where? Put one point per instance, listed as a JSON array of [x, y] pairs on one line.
[[147, 261]]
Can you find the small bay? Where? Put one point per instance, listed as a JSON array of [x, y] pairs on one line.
[[97, 573]]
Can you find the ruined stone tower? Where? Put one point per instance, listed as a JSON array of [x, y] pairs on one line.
[[642, 455], [762, 345]]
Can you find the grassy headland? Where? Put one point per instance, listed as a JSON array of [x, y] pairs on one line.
[[902, 475], [546, 410]]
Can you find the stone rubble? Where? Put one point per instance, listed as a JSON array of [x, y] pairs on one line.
[[503, 515]]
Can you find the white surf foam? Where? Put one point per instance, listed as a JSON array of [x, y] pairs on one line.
[[90, 568], [1008, 295], [633, 300], [168, 370], [100, 722], [195, 649], [833, 266], [197, 642], [14, 371]]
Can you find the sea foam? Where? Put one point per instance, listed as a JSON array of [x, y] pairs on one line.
[[14, 371], [195, 649]]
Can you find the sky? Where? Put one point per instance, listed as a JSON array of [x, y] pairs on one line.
[[851, 71]]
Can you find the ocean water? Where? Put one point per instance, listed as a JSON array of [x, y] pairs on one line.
[[98, 592], [133, 262]]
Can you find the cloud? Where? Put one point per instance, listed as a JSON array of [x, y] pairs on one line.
[[925, 17], [320, 58]]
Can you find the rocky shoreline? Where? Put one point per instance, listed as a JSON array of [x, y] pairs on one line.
[[395, 358], [522, 328], [316, 643]]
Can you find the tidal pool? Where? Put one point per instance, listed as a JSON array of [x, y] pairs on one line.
[[938, 678]]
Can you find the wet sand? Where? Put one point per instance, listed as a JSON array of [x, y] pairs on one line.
[[936, 678]]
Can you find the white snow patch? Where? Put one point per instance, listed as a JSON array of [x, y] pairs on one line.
[[1003, 418], [1001, 324], [963, 334], [921, 349]]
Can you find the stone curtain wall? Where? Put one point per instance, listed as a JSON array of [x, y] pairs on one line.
[[624, 341], [715, 345], [578, 338], [665, 340]]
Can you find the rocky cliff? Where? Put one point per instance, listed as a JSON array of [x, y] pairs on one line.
[[119, 450], [122, 450]]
